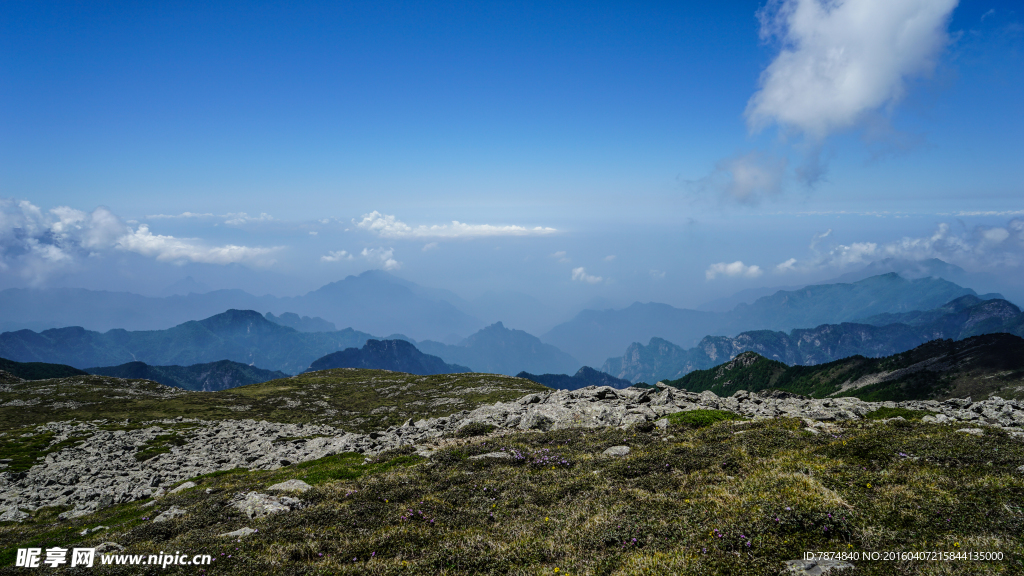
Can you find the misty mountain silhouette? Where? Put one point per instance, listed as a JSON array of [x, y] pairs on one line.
[[394, 355]]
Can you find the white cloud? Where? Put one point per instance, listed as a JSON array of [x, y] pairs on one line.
[[182, 215], [561, 257], [581, 275], [609, 258], [736, 268], [388, 226], [239, 218], [181, 250], [429, 246], [336, 256], [995, 235], [383, 257], [786, 266], [657, 274], [843, 59]]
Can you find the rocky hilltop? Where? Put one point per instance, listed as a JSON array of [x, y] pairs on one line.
[[89, 465]]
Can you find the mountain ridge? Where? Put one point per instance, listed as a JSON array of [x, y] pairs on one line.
[[978, 366], [961, 318], [206, 377], [607, 332]]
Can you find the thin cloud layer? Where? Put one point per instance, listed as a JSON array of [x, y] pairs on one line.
[[732, 269], [980, 248], [841, 59], [388, 226], [745, 178]]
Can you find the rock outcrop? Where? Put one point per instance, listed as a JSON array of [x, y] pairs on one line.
[[102, 469]]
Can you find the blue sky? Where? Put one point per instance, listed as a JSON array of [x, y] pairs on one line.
[[592, 151]]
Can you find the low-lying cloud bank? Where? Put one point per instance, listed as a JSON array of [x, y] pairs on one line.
[[35, 243]]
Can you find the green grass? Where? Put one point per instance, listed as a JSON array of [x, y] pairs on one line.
[[162, 444], [354, 400], [689, 500], [701, 418], [907, 414], [25, 451]]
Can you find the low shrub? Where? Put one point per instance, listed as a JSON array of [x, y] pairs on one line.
[[701, 418], [475, 429]]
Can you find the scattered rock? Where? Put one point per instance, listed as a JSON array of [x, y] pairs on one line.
[[170, 514], [491, 455], [617, 451], [109, 547], [257, 505], [183, 487], [293, 485], [1021, 469], [76, 513], [972, 431], [815, 567], [240, 533], [100, 471], [12, 514]]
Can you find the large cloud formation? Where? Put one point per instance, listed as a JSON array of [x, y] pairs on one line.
[[841, 59], [388, 226], [35, 243]]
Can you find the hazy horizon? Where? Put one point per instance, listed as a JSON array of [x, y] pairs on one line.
[[581, 155]]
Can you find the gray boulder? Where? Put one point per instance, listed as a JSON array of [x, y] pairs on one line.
[[170, 514], [257, 505], [293, 485]]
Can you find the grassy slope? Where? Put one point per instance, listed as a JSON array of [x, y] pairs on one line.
[[355, 400], [979, 367], [686, 501], [191, 377], [37, 370]]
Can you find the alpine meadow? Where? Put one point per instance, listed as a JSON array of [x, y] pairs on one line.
[[525, 288]]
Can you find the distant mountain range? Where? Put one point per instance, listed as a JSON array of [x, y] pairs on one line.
[[243, 336], [961, 318], [209, 377], [394, 355], [592, 336], [374, 301], [288, 342], [247, 337], [585, 376], [976, 367], [499, 350]]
